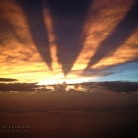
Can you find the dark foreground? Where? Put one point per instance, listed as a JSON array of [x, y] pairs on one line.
[[68, 115]]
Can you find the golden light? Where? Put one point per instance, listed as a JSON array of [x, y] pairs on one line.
[[98, 28], [20, 59]]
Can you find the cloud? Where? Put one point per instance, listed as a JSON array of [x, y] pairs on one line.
[[103, 19], [7, 79], [97, 73], [18, 86], [121, 86], [121, 33]]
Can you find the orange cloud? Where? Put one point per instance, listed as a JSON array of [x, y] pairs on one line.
[[20, 59], [102, 18]]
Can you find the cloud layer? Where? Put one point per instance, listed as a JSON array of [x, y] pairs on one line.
[[42, 40]]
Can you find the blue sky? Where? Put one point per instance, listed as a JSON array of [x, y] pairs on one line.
[[123, 72]]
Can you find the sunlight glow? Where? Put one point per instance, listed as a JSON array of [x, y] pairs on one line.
[[61, 80], [20, 59]]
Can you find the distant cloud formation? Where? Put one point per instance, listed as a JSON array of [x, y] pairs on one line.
[[7, 79], [45, 40], [121, 86], [32, 88], [18, 86]]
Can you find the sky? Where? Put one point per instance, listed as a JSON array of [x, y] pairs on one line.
[[50, 41]]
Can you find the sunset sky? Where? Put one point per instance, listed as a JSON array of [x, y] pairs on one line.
[[49, 41]]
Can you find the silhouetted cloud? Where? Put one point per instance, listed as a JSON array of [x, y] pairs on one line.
[[8, 79], [68, 21], [33, 12], [121, 33], [18, 86], [119, 86]]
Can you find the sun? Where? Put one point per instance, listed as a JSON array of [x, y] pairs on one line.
[[61, 80]]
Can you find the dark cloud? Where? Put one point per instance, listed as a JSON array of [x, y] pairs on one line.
[[121, 33], [119, 86], [97, 73], [68, 21], [8, 79], [18, 86]]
